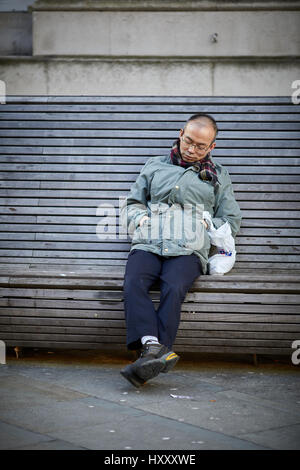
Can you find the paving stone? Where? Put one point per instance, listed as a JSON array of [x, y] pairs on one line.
[[53, 444], [20, 391], [221, 413], [12, 437], [290, 406], [67, 415], [268, 383], [283, 437], [108, 382], [150, 432]]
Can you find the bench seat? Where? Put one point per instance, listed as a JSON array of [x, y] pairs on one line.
[[242, 312]]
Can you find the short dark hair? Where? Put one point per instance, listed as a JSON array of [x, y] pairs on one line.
[[199, 116]]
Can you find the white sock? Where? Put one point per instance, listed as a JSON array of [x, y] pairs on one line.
[[151, 339]]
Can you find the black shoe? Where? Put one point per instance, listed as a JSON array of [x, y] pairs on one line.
[[155, 358], [132, 377]]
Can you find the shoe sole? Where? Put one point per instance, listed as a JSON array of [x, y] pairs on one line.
[[152, 368], [170, 361], [129, 375]]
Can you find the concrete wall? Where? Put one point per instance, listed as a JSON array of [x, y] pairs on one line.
[[15, 33], [153, 77], [165, 34], [193, 48]]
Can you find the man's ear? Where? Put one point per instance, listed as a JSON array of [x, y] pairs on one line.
[[181, 132], [212, 146]]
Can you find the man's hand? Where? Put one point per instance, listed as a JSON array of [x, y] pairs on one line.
[[143, 219], [204, 223]]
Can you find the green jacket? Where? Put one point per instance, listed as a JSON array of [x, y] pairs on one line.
[[174, 198]]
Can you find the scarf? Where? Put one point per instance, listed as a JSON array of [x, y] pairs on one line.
[[205, 167]]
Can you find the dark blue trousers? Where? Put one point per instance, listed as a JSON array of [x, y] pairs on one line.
[[175, 276]]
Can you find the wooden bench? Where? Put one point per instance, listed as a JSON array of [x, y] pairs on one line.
[[63, 157]]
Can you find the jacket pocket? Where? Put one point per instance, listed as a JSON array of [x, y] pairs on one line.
[[142, 234], [149, 232], [195, 237], [194, 232]]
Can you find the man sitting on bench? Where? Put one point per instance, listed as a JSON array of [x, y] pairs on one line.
[[170, 245]]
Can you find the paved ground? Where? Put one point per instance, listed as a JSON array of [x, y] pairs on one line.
[[79, 400]]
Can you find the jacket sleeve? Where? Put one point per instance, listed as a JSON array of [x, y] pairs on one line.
[[226, 207], [135, 204]]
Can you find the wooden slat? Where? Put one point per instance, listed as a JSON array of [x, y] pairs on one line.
[[36, 272], [187, 328], [141, 151], [268, 202], [15, 122], [139, 134], [90, 207], [120, 250], [92, 237], [143, 106], [248, 262], [232, 160], [219, 297], [191, 311], [49, 171], [191, 336], [251, 218], [120, 337], [80, 230], [249, 209], [146, 142], [52, 344], [143, 117], [282, 255], [232, 283]]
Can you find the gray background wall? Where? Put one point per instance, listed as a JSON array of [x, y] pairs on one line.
[[170, 47]]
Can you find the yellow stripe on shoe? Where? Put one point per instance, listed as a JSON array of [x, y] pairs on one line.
[[171, 356]]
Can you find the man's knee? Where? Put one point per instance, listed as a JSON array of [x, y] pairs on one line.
[[136, 283], [130, 282], [176, 289]]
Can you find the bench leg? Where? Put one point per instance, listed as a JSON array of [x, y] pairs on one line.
[[18, 351], [255, 360]]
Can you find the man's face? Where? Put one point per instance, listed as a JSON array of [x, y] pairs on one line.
[[196, 134]]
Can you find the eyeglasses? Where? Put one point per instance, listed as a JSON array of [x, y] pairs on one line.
[[198, 147]]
